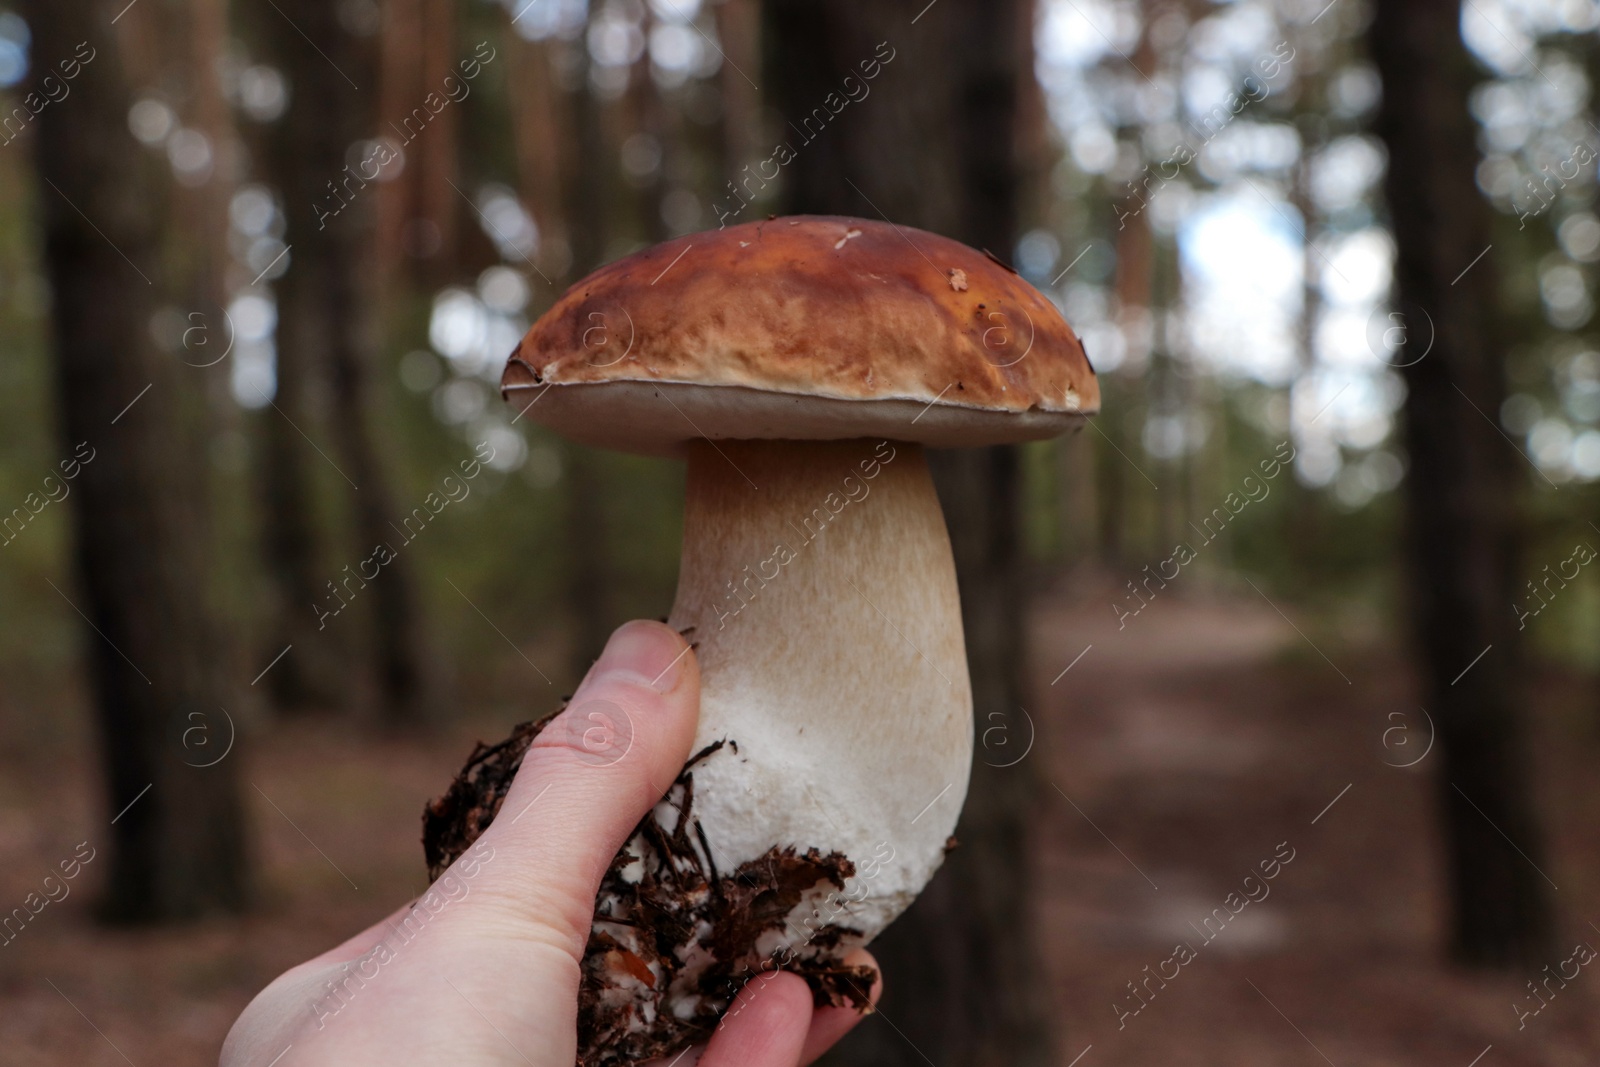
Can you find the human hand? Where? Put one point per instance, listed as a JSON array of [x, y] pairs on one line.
[[485, 970]]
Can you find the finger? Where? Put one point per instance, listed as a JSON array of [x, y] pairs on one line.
[[591, 775], [765, 1026], [828, 1025]]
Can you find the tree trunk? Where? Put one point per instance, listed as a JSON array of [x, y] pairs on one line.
[[326, 323], [939, 151], [562, 162], [539, 131], [1134, 286], [417, 239], [158, 665], [1462, 485], [313, 673], [738, 25], [584, 586], [587, 189]]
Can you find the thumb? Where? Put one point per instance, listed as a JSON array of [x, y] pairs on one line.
[[589, 777]]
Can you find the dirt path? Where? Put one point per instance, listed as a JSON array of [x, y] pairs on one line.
[[1202, 740]]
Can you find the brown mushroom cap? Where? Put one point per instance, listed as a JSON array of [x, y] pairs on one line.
[[807, 327]]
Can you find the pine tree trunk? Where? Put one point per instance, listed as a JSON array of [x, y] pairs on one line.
[[587, 190], [1462, 487], [739, 126], [417, 236], [313, 673], [562, 165], [934, 145], [326, 326], [157, 662], [539, 131]]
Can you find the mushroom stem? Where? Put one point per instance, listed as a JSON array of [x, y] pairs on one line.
[[820, 584]]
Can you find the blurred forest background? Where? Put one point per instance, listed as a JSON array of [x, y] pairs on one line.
[[261, 264]]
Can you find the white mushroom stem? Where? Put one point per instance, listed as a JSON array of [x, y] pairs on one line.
[[820, 585]]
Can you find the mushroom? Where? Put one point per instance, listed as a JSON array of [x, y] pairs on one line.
[[799, 365]]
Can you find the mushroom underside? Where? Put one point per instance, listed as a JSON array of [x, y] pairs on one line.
[[663, 418]]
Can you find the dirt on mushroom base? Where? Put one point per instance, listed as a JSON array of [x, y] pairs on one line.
[[673, 940]]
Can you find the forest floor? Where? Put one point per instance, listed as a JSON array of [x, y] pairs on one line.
[[1179, 754]]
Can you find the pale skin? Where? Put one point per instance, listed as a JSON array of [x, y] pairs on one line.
[[491, 977]]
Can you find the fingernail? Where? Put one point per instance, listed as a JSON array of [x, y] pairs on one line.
[[645, 652]]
